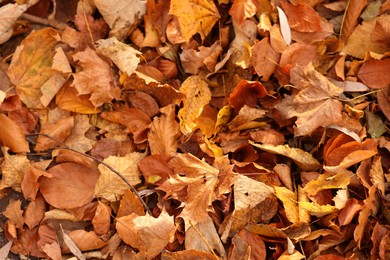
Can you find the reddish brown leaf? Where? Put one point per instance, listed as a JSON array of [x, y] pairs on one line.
[[101, 220], [246, 93], [264, 59], [375, 73], [351, 17], [11, 135], [302, 17]]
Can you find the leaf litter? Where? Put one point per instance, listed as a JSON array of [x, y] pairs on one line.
[[196, 129]]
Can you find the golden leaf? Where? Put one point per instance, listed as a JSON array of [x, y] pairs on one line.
[[195, 16], [303, 159], [197, 96], [316, 209], [289, 200]]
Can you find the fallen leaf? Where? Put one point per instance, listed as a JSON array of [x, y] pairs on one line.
[[351, 209], [246, 93], [301, 17], [60, 131], [243, 9], [337, 178], [14, 213], [187, 255], [9, 14], [11, 135], [121, 16], [96, 78], [315, 103], [72, 245], [85, 240], [264, 59], [193, 60], [109, 185], [5, 249], [163, 132], [72, 185], [351, 18], [194, 16], [285, 29], [35, 212], [375, 73], [122, 55], [289, 200], [303, 159], [130, 204], [13, 170], [316, 209], [197, 96], [141, 232], [101, 220]]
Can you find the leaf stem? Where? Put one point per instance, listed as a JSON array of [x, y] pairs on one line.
[[132, 188]]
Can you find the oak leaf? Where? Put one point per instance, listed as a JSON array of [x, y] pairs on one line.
[[109, 185], [96, 78], [314, 104], [197, 96], [195, 16], [72, 185], [141, 232]]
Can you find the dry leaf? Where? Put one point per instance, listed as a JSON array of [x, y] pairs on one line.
[[86, 241], [351, 17], [290, 205], [31, 67], [14, 213], [315, 104], [316, 209], [11, 135], [122, 55], [109, 185], [243, 9], [96, 78], [303, 159], [333, 178], [264, 59], [72, 185], [246, 93], [121, 16], [60, 131], [197, 96], [164, 132], [9, 13], [141, 232], [302, 17], [194, 16], [13, 170], [101, 220], [35, 212], [375, 73]]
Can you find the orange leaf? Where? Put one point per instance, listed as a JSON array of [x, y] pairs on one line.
[[11, 135], [264, 59], [243, 9], [302, 17], [351, 17], [102, 218], [375, 73], [14, 213], [71, 186], [246, 93]]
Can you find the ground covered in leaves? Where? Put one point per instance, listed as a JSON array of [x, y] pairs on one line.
[[195, 129]]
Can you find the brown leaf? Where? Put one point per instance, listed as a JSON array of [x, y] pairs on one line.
[[14, 213], [11, 135], [315, 103], [246, 93], [13, 170], [60, 131], [164, 132], [96, 78], [155, 168], [71, 186], [193, 60], [141, 232], [352, 207], [85, 240], [71, 245], [243, 9], [264, 59], [130, 204], [375, 73], [302, 17], [351, 17], [143, 101], [384, 101], [35, 211], [133, 118], [101, 220]]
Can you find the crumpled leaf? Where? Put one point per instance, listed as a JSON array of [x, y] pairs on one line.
[[122, 16], [197, 96], [243, 9], [316, 209], [11, 135], [13, 170], [31, 68], [147, 234], [333, 178], [289, 200], [123, 55], [303, 159], [194, 16], [9, 13], [109, 185], [192, 60], [96, 78], [314, 104], [71, 185]]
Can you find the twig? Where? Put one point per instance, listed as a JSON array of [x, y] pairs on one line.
[[65, 147], [43, 21]]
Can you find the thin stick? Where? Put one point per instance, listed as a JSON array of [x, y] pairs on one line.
[[132, 188], [43, 21]]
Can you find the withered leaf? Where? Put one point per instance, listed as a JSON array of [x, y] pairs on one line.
[[11, 135]]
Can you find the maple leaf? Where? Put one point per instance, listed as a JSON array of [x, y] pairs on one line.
[[314, 104], [9, 13], [96, 78], [31, 68], [194, 16], [143, 231], [197, 96], [122, 16]]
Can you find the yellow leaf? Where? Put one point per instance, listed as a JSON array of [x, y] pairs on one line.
[[304, 214], [109, 185], [303, 159], [197, 96], [31, 67], [333, 178], [195, 16], [316, 209], [223, 117], [289, 200]]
